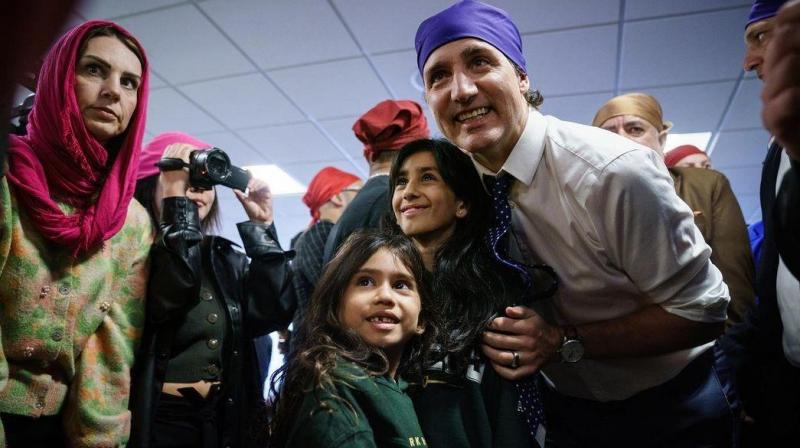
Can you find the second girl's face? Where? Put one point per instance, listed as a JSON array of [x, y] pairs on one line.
[[107, 79], [424, 205], [382, 303]]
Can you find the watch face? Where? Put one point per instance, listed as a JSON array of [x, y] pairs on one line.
[[572, 351]]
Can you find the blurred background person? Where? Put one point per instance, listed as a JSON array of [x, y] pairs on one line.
[[687, 156], [73, 246], [383, 130], [197, 379], [328, 195], [639, 117]]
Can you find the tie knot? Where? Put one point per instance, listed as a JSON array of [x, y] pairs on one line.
[[499, 185]]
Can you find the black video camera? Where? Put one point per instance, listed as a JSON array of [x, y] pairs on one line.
[[208, 168]]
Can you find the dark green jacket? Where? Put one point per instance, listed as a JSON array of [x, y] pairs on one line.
[[361, 411]]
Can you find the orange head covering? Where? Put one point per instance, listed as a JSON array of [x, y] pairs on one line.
[[680, 153], [325, 185], [390, 125], [639, 104]]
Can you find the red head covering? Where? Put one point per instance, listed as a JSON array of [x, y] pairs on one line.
[[679, 153], [153, 151], [60, 159], [325, 185], [390, 125]]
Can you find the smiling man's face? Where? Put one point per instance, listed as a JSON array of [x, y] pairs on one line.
[[478, 98]]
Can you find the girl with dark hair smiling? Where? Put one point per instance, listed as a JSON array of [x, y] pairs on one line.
[[439, 202], [369, 321]]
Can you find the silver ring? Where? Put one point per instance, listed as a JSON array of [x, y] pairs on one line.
[[515, 360]]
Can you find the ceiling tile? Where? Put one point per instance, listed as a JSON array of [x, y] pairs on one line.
[[240, 151], [335, 96], [745, 180], [694, 108], [740, 148], [109, 9], [389, 25], [244, 101], [193, 51], [167, 110], [540, 15], [266, 29], [577, 108], [400, 71], [746, 108], [640, 9], [304, 172], [386, 25], [156, 81], [575, 61], [688, 49], [341, 129], [291, 143]]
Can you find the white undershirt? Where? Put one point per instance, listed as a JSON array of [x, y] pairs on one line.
[[788, 292]]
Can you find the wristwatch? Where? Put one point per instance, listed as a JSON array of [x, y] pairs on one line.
[[571, 347]]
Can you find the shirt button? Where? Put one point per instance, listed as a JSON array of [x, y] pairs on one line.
[[57, 334], [212, 369], [229, 401], [212, 318], [236, 353], [63, 289], [105, 306], [212, 343]]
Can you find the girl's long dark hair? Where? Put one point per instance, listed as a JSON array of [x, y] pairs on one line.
[[466, 280], [324, 339]]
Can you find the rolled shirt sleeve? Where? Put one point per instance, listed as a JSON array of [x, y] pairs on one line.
[[650, 235]]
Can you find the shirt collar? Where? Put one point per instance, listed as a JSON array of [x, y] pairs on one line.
[[525, 157]]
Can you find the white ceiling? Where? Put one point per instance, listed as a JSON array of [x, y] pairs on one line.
[[281, 81]]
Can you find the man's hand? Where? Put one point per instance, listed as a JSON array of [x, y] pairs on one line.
[[781, 94], [526, 333], [258, 203]]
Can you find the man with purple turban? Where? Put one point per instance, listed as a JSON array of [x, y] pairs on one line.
[[624, 342], [770, 381]]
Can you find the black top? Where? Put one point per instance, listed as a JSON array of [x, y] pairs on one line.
[[307, 264], [251, 293], [366, 211]]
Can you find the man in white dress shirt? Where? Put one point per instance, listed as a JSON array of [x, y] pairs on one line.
[[626, 346]]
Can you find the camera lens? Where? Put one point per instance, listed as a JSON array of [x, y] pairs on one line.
[[217, 165]]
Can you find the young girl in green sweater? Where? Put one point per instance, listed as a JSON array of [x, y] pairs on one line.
[[369, 320]]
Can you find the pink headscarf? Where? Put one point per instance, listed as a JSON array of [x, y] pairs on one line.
[[153, 151], [60, 159]]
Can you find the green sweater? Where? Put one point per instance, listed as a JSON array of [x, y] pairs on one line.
[[361, 411]]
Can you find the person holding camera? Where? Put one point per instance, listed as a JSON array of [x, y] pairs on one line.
[[196, 383]]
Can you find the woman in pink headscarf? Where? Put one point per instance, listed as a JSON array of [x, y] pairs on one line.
[[73, 246]]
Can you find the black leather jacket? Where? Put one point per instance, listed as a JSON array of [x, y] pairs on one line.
[[254, 295]]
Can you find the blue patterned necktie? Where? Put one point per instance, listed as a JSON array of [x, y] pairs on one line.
[[530, 403]]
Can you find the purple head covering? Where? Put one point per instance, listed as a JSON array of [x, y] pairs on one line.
[[763, 9], [469, 18]]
